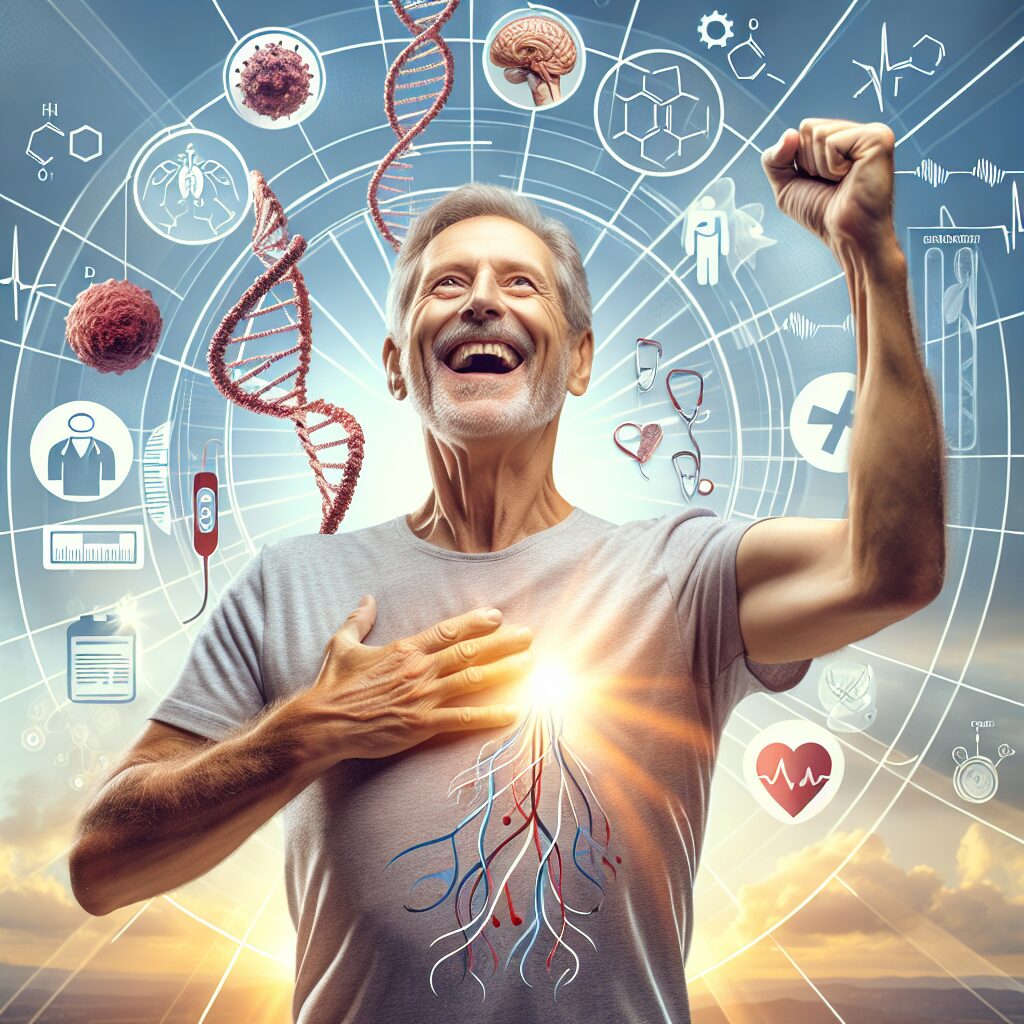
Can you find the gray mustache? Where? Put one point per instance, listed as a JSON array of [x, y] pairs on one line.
[[500, 330]]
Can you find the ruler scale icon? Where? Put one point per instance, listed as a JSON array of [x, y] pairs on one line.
[[96, 547]]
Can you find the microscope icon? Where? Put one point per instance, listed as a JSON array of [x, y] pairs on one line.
[[976, 777]]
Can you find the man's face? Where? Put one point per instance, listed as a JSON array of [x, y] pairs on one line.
[[487, 352]]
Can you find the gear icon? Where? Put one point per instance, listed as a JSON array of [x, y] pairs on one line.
[[719, 38]]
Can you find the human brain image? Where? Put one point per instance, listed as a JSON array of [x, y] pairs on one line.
[[114, 326], [538, 51]]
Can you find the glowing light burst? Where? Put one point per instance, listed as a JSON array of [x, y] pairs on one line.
[[506, 781]]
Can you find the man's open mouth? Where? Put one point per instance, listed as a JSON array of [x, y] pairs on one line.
[[483, 357]]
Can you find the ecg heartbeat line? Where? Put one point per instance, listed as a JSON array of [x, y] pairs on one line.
[[936, 175], [1010, 230], [17, 285], [809, 778], [804, 327], [877, 75]]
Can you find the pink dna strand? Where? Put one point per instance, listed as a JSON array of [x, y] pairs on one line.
[[245, 381], [423, 73]]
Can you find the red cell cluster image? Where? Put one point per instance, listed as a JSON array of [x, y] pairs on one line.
[[114, 326], [274, 81]]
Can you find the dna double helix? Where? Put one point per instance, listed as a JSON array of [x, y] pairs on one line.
[[245, 380], [421, 77]]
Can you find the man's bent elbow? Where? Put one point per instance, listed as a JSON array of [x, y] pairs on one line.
[[86, 884]]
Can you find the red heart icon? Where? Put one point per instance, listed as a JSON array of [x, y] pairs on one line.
[[650, 437], [794, 777]]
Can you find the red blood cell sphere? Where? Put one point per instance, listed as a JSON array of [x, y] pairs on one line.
[[114, 326], [274, 81]]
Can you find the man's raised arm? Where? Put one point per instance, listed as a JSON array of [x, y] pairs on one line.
[[805, 586]]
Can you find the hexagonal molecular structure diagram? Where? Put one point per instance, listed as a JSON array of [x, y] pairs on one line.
[[659, 112], [85, 143]]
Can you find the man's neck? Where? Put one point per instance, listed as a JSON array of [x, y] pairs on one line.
[[487, 495]]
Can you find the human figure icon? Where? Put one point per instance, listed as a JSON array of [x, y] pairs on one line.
[[706, 236], [80, 460]]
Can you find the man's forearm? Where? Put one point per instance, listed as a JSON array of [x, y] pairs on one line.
[[156, 826], [896, 531]]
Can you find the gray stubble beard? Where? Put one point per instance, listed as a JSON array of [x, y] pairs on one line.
[[448, 419]]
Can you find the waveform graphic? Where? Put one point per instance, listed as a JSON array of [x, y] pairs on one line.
[[1010, 231], [807, 779], [936, 175], [877, 76], [17, 285], [284, 396], [423, 73], [804, 327]]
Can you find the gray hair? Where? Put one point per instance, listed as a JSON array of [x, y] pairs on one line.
[[480, 200]]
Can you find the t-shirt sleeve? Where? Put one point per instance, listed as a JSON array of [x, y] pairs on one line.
[[220, 686], [699, 560]]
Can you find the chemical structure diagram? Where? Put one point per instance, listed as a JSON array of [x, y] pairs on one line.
[[658, 114], [877, 75], [746, 60], [85, 143]]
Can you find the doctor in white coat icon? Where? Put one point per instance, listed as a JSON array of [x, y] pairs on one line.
[[80, 461]]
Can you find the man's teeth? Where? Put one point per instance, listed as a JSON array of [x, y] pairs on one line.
[[461, 356]]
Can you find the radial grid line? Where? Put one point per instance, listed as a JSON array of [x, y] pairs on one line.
[[619, 62], [151, 592], [316, 155], [934, 675], [46, 963], [187, 367], [238, 952], [225, 20], [472, 100], [375, 234], [935, 960], [40, 351], [359, 277], [242, 943], [709, 340], [87, 241], [145, 906], [380, 29], [739, 135], [355, 344], [814, 988], [114, 70], [942, 106], [125, 260], [674, 223], [67, 980], [611, 220], [526, 151]]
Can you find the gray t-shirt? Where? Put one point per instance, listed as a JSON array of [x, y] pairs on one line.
[[609, 805]]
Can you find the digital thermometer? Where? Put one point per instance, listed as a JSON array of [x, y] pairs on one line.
[[205, 489]]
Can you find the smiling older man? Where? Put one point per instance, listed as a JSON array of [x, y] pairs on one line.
[[662, 624]]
